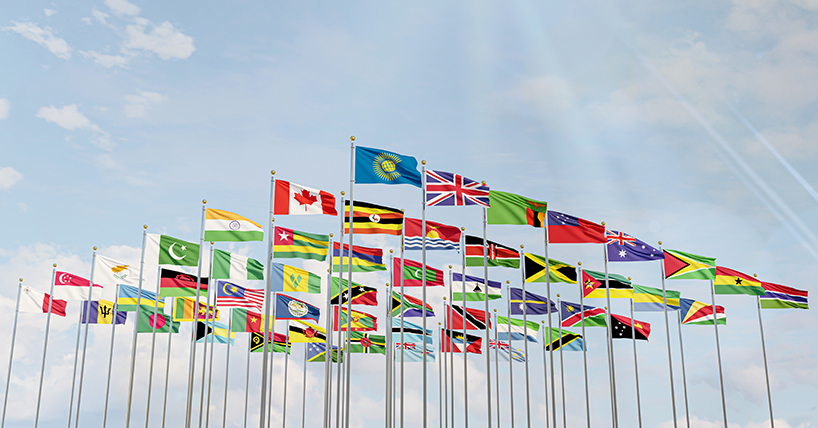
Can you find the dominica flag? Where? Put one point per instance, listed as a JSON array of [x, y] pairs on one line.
[[376, 166], [373, 219], [292, 244], [782, 297], [412, 306], [317, 353], [101, 312], [364, 259], [619, 285], [474, 288], [518, 330], [648, 299], [562, 339], [413, 274], [126, 300], [357, 321], [278, 344], [289, 278], [621, 328], [361, 294], [508, 208], [234, 267], [223, 225], [148, 320], [247, 321], [497, 255], [185, 309], [729, 281], [535, 270], [304, 332], [680, 265], [574, 315], [695, 312], [365, 343]]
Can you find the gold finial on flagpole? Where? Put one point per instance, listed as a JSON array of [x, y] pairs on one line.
[[660, 242], [579, 263], [204, 201], [55, 265], [21, 279], [352, 138], [330, 235], [450, 266], [145, 227], [423, 162], [603, 223], [343, 193], [273, 172], [95, 248]]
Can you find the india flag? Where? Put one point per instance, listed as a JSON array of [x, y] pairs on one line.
[[223, 225]]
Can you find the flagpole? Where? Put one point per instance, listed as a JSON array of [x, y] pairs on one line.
[[272, 366], [718, 350], [247, 375], [328, 362], [445, 380], [210, 364], [684, 378], [497, 370], [510, 360], [451, 354], [636, 368], [341, 349], [76, 359], [389, 348], [402, 316], [584, 338], [465, 354], [608, 310], [153, 343], [562, 367], [349, 301], [439, 378], [227, 368], [209, 319], [486, 295], [669, 358], [110, 359], [267, 303], [525, 342], [192, 362], [764, 354], [45, 344], [304, 386], [550, 351], [85, 338], [286, 372], [11, 353], [167, 366], [544, 367], [423, 282], [135, 327]]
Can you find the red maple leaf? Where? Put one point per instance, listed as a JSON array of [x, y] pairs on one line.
[[305, 198]]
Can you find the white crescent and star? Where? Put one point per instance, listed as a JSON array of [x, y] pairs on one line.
[[173, 255]]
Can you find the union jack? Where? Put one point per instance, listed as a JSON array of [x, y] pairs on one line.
[[621, 238], [498, 343], [446, 188]]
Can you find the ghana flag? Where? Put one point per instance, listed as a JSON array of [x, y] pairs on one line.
[[498, 255], [535, 270], [680, 265], [373, 219], [290, 244], [729, 281], [619, 285], [508, 208]]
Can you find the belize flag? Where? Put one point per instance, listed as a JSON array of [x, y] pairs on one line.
[[288, 308]]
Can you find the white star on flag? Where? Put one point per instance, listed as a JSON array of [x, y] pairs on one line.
[[283, 235]]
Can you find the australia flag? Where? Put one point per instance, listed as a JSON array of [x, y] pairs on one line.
[[625, 248]]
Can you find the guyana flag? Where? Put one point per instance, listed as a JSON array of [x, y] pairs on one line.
[[595, 282], [364, 343], [360, 321], [729, 281], [679, 265], [535, 270], [508, 208], [279, 343], [289, 244]]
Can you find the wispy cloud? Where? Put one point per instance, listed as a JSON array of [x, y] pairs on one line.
[[44, 37], [136, 105], [69, 117], [9, 177]]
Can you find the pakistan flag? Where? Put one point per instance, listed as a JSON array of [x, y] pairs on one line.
[[173, 251]]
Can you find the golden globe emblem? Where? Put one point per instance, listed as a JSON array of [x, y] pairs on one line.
[[388, 166]]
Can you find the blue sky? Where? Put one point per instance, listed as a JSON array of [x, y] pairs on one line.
[[687, 123]]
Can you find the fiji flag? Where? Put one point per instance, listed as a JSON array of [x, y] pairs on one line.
[[101, 312], [375, 166], [288, 308], [625, 248]]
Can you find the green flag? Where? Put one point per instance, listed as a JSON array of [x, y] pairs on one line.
[[174, 251], [679, 265], [508, 208], [148, 320]]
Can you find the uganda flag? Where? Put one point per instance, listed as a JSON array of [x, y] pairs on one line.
[[535, 270], [679, 265], [729, 281], [290, 244], [364, 343], [508, 208], [498, 255], [621, 328], [304, 332], [373, 219], [619, 285]]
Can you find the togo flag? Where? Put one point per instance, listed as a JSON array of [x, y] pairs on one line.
[[289, 278], [235, 267], [101, 312], [223, 226]]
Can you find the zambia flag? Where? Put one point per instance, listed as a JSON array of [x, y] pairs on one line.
[[361, 294], [535, 270], [729, 281], [364, 343], [289, 244], [373, 219], [619, 285], [508, 208], [679, 265]]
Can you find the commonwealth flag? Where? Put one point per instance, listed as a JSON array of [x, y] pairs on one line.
[[235, 267], [535, 270], [223, 225], [126, 301], [729, 281], [289, 244], [373, 219], [376, 166], [288, 278], [679, 265], [508, 208], [651, 299], [101, 312]]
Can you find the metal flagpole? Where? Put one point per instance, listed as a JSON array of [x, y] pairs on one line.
[[562, 367], [192, 362], [402, 343], [636, 368], [684, 377], [85, 338], [389, 348], [272, 366], [525, 342], [667, 331], [764, 354], [486, 295], [153, 343], [718, 351], [227, 368], [550, 351], [267, 304], [445, 380], [341, 349], [584, 338], [451, 354], [247, 377], [76, 360], [544, 369], [286, 362], [423, 283], [608, 310], [451, 347], [135, 327], [349, 301], [45, 343], [328, 343], [304, 386], [439, 379], [210, 364], [110, 360], [208, 321], [11, 353], [167, 368], [510, 360], [497, 370]]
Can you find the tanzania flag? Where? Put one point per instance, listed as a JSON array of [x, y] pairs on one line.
[[180, 284], [534, 303], [279, 343], [101, 312], [376, 166], [695, 312], [413, 272], [373, 219], [412, 306], [317, 353], [648, 299], [288, 278], [224, 226], [619, 285], [304, 332], [498, 255], [361, 321], [148, 320], [559, 272], [126, 301], [679, 265], [364, 259], [508, 208], [572, 315], [291, 244], [364, 343], [455, 341], [474, 288], [361, 294], [621, 328], [247, 321], [729, 281], [234, 267], [184, 309], [565, 339], [783, 297]]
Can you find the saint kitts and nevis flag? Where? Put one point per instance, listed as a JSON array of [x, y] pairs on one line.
[[729, 281], [782, 297], [412, 306], [567, 229], [647, 299], [235, 267], [473, 287], [224, 226], [438, 235], [573, 315], [371, 219], [101, 312], [448, 189], [413, 274], [361, 294], [357, 321], [291, 244], [508, 208], [557, 271], [289, 278], [519, 330], [695, 312], [376, 166], [33, 300], [294, 199], [364, 259], [498, 255]]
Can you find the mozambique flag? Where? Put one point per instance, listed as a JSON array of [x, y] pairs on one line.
[[695, 312], [317, 353], [126, 301], [619, 285], [508, 208], [648, 299], [101, 312], [729, 281], [292, 244], [289, 278], [497, 255], [279, 343], [412, 306], [361, 294], [361, 321], [364, 343], [364, 259], [535, 270], [413, 274], [621, 328], [304, 332], [782, 297], [180, 284], [556, 339], [373, 219], [184, 309], [148, 320], [679, 265], [247, 321]]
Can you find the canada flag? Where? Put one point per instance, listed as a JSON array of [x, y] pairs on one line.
[[292, 199]]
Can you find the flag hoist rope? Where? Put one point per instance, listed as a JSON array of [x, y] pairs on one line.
[[11, 353], [192, 363], [136, 325], [267, 304], [667, 331]]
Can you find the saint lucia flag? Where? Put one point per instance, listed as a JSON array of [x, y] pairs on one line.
[[375, 166]]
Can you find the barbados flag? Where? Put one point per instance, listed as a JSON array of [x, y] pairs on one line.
[[375, 166], [101, 312]]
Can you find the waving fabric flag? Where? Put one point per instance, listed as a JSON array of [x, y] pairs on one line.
[[173, 251], [519, 329], [595, 282], [33, 300], [506, 351], [148, 320], [360, 321], [304, 332], [412, 307], [535, 270], [219, 334], [280, 343], [695, 312], [289, 244], [572, 315], [365, 343], [438, 235], [648, 299], [625, 248], [566, 340], [364, 259], [289, 278], [567, 229], [108, 271], [185, 309], [679, 265], [101, 312], [455, 341], [126, 301], [229, 295], [413, 274], [247, 321], [534, 303], [413, 352], [508, 208], [376, 166], [288, 308], [225, 226], [474, 288], [180, 284], [317, 353], [475, 319], [411, 332], [498, 255], [361, 294], [72, 287], [782, 297], [621, 328], [235, 267], [294, 199], [371, 219], [729, 281], [447, 189]]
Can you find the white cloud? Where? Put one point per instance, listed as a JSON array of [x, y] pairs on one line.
[[4, 108], [108, 162], [68, 117], [163, 39], [107, 61], [86, 21], [123, 7], [49, 12], [136, 104], [43, 37], [22, 206], [100, 16], [9, 177]]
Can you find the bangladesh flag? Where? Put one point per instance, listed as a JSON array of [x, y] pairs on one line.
[[508, 208], [173, 251], [148, 320], [413, 274], [679, 265]]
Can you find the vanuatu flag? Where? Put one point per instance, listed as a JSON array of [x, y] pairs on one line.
[[361, 294], [619, 285], [695, 312], [364, 343], [148, 320], [185, 309], [291, 244], [180, 284], [413, 274], [376, 166], [498, 255], [279, 343], [783, 297], [361, 321], [679, 265], [364, 259], [101, 312], [535, 270], [621, 328], [288, 278], [373, 219], [508, 208], [729, 281]]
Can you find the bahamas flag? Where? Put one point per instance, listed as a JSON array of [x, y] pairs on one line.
[[375, 166]]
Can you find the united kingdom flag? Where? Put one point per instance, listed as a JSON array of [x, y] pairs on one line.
[[446, 188]]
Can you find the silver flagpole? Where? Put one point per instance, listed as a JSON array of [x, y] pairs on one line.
[[439, 379], [451, 347], [192, 362], [135, 327], [636, 368], [667, 331], [764, 354], [684, 377], [209, 319], [423, 284], [341, 349], [304, 386], [227, 368], [445, 377], [718, 351], [45, 344], [511, 360], [153, 344], [247, 377], [85, 338], [11, 353], [402, 315], [76, 360], [167, 366], [486, 295], [608, 310], [349, 301], [497, 369], [272, 366], [550, 351], [451, 354], [390, 350], [267, 304], [562, 368], [525, 343], [584, 346], [544, 369], [286, 362], [110, 360], [210, 363], [328, 343]]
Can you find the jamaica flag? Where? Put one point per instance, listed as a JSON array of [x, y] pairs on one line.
[[559, 272]]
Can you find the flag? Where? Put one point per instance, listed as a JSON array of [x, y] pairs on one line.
[[294, 199], [289, 278], [567, 229], [679, 265], [566, 340], [619, 285], [304, 332], [317, 353], [234, 267], [229, 295], [412, 306], [174, 251], [413, 352], [364, 259], [572, 315], [247, 321], [288, 308], [411, 332], [508, 208], [438, 235], [498, 255], [646, 299], [108, 271], [535, 270], [783, 297], [291, 244], [126, 301], [72, 287], [534, 303], [180, 284], [519, 330], [101, 312], [621, 328], [474, 288], [625, 248], [695, 312], [202, 330], [475, 319], [225, 226], [32, 300], [373, 219], [361, 321], [447, 189], [412, 274], [361, 294], [185, 309], [729, 281], [278, 344], [507, 352], [219, 333], [365, 343], [459, 342], [148, 320], [376, 166]]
